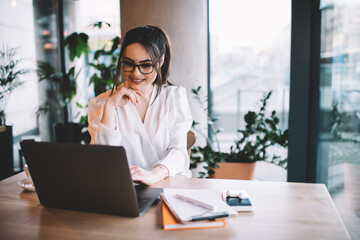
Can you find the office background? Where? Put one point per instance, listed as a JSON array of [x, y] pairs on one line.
[[311, 62]]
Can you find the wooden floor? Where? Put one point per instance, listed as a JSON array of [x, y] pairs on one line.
[[347, 200]]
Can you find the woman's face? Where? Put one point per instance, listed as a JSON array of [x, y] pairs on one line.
[[137, 54]]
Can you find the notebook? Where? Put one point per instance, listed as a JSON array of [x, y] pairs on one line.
[[185, 211], [92, 178], [170, 222]]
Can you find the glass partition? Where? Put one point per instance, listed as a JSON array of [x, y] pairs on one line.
[[338, 152], [250, 56], [339, 139]]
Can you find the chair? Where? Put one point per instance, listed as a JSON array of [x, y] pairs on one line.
[[191, 139]]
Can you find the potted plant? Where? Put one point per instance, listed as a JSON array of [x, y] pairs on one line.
[[10, 74], [102, 67], [102, 62], [260, 134], [63, 89]]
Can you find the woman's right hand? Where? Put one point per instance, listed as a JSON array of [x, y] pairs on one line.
[[120, 97]]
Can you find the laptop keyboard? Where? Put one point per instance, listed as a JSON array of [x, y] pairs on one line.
[[142, 202]]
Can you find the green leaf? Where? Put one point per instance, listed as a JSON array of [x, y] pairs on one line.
[[77, 44], [99, 53], [99, 24], [115, 45]]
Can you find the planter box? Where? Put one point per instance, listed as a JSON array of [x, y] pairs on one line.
[[6, 152], [242, 171]]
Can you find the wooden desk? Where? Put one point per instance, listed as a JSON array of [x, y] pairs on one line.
[[283, 211]]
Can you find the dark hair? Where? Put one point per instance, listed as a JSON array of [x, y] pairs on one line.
[[156, 43]]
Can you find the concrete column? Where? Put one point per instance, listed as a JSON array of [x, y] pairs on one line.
[[185, 23]]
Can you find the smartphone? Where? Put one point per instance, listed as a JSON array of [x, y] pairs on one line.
[[239, 200], [236, 201]]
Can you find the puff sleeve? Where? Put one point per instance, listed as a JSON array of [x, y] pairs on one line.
[[100, 134], [176, 157]]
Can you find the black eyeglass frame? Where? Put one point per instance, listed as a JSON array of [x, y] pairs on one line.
[[138, 66]]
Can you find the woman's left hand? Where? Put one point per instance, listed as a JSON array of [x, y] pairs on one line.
[[151, 177]]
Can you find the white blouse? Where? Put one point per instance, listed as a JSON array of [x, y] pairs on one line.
[[161, 139]]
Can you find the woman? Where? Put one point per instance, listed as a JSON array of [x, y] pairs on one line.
[[143, 112]]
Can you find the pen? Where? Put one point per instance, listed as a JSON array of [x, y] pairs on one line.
[[196, 202], [213, 216]]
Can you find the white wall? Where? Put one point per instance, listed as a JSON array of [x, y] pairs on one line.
[[17, 30]]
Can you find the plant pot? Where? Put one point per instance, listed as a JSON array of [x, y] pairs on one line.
[[242, 171], [68, 133], [6, 152]]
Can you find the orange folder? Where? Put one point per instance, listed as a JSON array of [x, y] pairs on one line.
[[171, 223]]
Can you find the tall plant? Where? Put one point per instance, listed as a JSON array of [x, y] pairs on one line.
[[102, 64], [10, 74], [63, 89]]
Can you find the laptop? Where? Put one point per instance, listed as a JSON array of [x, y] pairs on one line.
[[91, 178]]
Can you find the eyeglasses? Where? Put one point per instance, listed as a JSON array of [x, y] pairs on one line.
[[144, 68]]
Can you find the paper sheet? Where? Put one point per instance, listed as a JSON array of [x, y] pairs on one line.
[[185, 210]]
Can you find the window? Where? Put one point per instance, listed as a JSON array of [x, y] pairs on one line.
[[250, 56], [338, 153], [87, 14], [19, 33]]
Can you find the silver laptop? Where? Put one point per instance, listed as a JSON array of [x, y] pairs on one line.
[[91, 178]]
